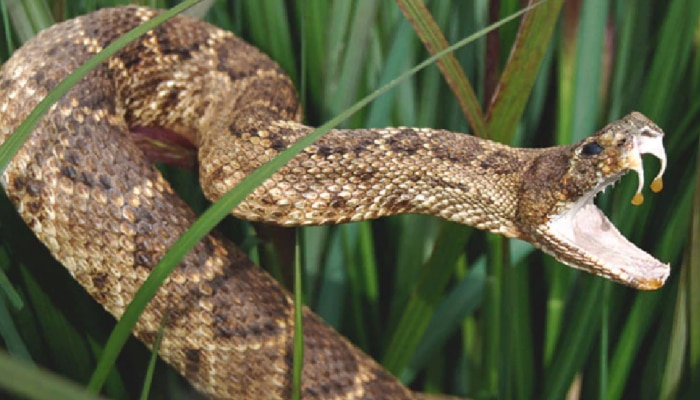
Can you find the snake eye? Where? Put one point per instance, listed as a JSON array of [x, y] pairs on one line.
[[591, 149]]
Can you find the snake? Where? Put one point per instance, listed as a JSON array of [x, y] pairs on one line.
[[84, 184]]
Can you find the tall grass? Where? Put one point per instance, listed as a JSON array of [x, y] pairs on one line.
[[444, 307]]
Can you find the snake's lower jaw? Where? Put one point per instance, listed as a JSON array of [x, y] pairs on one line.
[[592, 243]]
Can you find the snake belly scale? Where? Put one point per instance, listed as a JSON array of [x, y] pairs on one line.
[[87, 191]]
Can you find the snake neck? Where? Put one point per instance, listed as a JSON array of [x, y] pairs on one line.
[[355, 175]]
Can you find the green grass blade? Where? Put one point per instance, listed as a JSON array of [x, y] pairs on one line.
[[463, 300], [9, 291], [10, 336], [152, 361], [312, 48], [433, 39], [675, 359], [629, 343], [519, 315], [588, 72], [672, 53], [298, 351], [298, 357], [693, 283], [29, 17], [412, 253], [493, 331], [518, 78], [416, 316], [6, 24], [364, 285], [354, 54], [267, 21], [575, 344], [334, 284], [400, 55], [21, 379], [624, 56]]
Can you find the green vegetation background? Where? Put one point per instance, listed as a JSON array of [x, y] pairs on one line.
[[444, 307]]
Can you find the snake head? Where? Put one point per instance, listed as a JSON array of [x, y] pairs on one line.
[[571, 227]]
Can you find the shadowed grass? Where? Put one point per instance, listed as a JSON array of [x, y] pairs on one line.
[[23, 380]]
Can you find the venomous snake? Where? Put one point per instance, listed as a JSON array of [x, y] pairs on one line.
[[86, 190]]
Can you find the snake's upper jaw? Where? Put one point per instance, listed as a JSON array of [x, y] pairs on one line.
[[584, 238]]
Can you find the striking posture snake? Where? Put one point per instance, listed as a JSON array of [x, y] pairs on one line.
[[106, 213]]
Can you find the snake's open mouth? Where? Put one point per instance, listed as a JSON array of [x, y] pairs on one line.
[[597, 245]]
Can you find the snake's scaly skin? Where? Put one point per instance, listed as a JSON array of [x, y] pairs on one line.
[[106, 213]]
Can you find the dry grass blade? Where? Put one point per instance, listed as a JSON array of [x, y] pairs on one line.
[[518, 77], [434, 41], [693, 282]]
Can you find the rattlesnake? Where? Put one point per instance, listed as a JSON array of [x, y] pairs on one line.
[[108, 215]]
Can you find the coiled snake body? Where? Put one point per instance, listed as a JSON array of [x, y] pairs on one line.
[[86, 190]]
